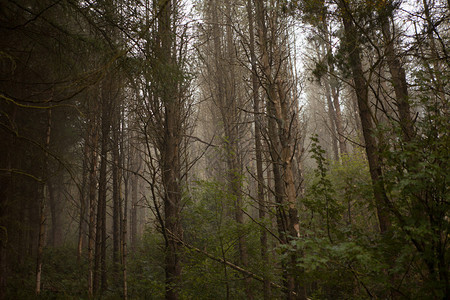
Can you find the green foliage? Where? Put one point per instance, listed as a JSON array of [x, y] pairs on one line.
[[210, 226], [146, 268], [63, 277], [343, 256], [322, 189], [417, 180]]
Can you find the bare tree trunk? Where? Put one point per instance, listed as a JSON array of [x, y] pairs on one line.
[[116, 192], [334, 88], [332, 118], [436, 74], [82, 222], [337, 108], [231, 124], [124, 238], [41, 242], [399, 82], [258, 152], [169, 148], [5, 182], [92, 161], [227, 100], [100, 238], [351, 37], [125, 163], [42, 190], [133, 211], [172, 201], [55, 212], [282, 138]]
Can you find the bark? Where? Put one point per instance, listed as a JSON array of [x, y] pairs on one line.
[[231, 124], [439, 81], [281, 139], [125, 162], [172, 202], [352, 39], [92, 188], [124, 238], [258, 151], [398, 78], [169, 149], [116, 193], [338, 114], [334, 88], [100, 273], [41, 242], [435, 73], [42, 203], [82, 222], [227, 100], [55, 213], [5, 182], [332, 117], [332, 91], [133, 212]]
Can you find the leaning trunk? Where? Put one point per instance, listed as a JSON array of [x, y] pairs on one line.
[[361, 88]]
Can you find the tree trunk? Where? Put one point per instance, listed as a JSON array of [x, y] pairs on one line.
[[116, 193], [133, 211], [169, 148], [281, 141], [82, 222], [92, 188], [258, 152], [231, 124], [125, 174], [42, 190], [352, 39], [337, 108], [172, 202], [55, 213], [100, 238], [124, 238], [399, 82], [332, 118], [334, 88]]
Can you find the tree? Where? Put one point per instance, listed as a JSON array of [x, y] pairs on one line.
[[281, 134]]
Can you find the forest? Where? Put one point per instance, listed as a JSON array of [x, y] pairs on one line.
[[234, 149]]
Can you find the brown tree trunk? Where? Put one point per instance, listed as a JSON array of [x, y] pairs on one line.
[[227, 101], [133, 212], [42, 202], [55, 213], [258, 151], [333, 121], [334, 88], [100, 237], [351, 37], [399, 82], [281, 143], [169, 148], [92, 188], [116, 193], [124, 237], [231, 124], [82, 222], [337, 108], [5, 182]]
